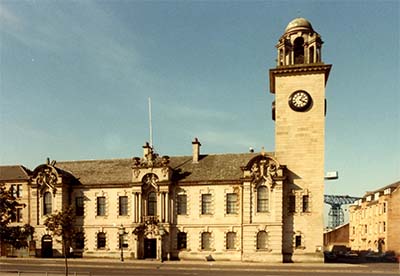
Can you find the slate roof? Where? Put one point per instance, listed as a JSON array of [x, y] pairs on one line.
[[14, 172], [213, 167], [393, 185]]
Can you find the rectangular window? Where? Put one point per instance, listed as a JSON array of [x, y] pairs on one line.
[[79, 206], [101, 206], [123, 205], [292, 203], [206, 241], [16, 190], [306, 205], [262, 199], [230, 240], [206, 204], [79, 240], [182, 243], [231, 203], [18, 215], [101, 240], [297, 241], [182, 203], [384, 226], [384, 207]]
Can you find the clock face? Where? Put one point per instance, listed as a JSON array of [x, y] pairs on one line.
[[300, 100]]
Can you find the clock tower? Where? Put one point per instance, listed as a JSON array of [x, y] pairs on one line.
[[298, 83]]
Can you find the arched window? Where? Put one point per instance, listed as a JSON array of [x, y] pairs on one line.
[[206, 241], [46, 203], [262, 199], [101, 240], [262, 240], [298, 50], [152, 204], [230, 240]]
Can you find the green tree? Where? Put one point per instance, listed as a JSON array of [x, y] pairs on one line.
[[61, 224], [17, 236]]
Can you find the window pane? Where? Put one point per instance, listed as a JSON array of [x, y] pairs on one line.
[[305, 203], [206, 241], [79, 240], [292, 203], [152, 204], [123, 205], [101, 240], [262, 239], [47, 203], [262, 199], [181, 240], [298, 241], [79, 206], [101, 206], [231, 203], [206, 204], [182, 201], [230, 240]]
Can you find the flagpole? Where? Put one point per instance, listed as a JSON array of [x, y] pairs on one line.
[[150, 124]]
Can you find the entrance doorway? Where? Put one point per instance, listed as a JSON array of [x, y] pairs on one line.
[[150, 248], [47, 246]]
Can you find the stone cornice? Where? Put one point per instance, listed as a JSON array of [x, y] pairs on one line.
[[297, 69]]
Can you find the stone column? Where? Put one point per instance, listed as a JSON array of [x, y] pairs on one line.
[[140, 207], [134, 208], [167, 207]]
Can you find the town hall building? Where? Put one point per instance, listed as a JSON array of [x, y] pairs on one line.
[[254, 206]]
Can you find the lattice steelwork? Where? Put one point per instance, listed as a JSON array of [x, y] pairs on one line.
[[336, 215]]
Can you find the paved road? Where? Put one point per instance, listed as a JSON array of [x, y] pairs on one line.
[[55, 267]]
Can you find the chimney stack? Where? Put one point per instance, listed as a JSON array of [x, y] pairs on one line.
[[196, 150]]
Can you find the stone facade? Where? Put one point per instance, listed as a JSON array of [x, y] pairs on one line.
[[265, 207], [375, 220]]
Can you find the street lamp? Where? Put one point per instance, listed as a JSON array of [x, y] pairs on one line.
[[121, 240], [161, 231]]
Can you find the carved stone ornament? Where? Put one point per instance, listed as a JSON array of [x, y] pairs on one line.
[[264, 169], [47, 177], [151, 160], [150, 180]]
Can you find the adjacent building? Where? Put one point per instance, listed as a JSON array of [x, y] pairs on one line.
[[264, 206], [375, 220]]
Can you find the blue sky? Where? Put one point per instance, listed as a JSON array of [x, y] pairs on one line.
[[75, 77]]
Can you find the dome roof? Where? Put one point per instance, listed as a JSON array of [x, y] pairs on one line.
[[298, 23]]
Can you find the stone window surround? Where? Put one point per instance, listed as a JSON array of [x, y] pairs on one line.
[[128, 204], [302, 240], [105, 195], [210, 241], [231, 190], [178, 195], [97, 241], [211, 193], [262, 230]]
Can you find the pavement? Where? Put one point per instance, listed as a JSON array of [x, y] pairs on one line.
[[186, 265]]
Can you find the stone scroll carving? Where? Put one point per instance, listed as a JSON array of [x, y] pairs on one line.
[[47, 177], [264, 169]]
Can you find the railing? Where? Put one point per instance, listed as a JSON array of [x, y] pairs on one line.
[[44, 273]]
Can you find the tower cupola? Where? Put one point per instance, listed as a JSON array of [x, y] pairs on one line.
[[299, 45]]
